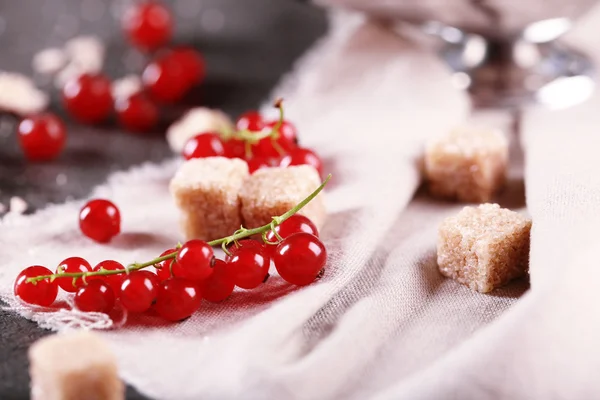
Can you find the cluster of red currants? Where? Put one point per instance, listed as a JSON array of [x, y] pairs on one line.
[[88, 98], [184, 275], [279, 148]]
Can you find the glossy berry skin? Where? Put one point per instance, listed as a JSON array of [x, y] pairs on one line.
[[249, 266], [299, 258], [165, 79], [114, 281], [42, 137], [136, 113], [100, 220], [234, 148], [295, 224], [163, 268], [138, 291], [72, 265], [177, 299], [256, 163], [250, 120], [148, 25], [244, 244], [301, 156], [219, 285], [286, 141], [192, 63], [88, 98], [43, 293], [194, 261], [203, 145], [96, 296]]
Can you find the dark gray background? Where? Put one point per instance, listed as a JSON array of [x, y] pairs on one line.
[[248, 45]]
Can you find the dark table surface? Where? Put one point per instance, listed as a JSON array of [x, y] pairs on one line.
[[248, 45]]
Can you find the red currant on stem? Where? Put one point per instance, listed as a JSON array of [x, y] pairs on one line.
[[299, 258], [249, 266], [41, 293], [72, 265], [138, 291], [42, 137], [164, 268], [219, 285], [100, 220], [194, 261], [96, 296], [136, 113], [148, 25], [88, 98], [285, 141], [114, 281], [302, 156], [165, 78], [192, 62], [177, 299], [234, 148], [203, 145], [251, 121], [295, 224]]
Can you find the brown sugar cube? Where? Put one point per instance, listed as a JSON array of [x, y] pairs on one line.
[[206, 191], [484, 247], [467, 165], [270, 192], [74, 366]]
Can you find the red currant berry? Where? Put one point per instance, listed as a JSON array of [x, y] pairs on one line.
[[96, 296], [148, 25], [251, 121], [114, 281], [42, 137], [177, 299], [166, 79], [136, 113], [249, 266], [302, 156], [138, 291], [256, 163], [286, 140], [192, 62], [88, 98], [299, 258], [219, 285], [100, 220], [163, 268], [203, 145], [245, 243], [234, 148], [194, 261], [42, 293], [295, 224], [72, 265]]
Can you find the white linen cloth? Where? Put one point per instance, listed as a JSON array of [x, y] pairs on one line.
[[382, 322]]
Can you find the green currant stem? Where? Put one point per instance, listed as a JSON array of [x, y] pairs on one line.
[[239, 234]]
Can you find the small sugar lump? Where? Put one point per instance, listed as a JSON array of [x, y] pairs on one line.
[[484, 247], [206, 190], [469, 164]]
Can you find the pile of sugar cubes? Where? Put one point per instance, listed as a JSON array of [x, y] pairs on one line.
[[482, 247]]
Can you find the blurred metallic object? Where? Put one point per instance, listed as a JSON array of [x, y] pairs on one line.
[[503, 51]]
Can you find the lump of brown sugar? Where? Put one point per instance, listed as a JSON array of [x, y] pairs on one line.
[[74, 366], [467, 165], [484, 247], [270, 192], [206, 190]]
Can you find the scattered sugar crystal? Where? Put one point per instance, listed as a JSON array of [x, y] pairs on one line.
[[49, 61], [206, 190], [195, 121], [468, 165], [19, 95], [270, 192], [73, 366], [484, 247], [126, 86], [87, 52], [17, 205]]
